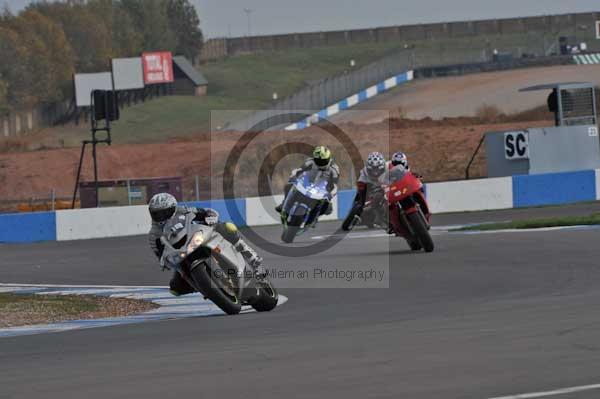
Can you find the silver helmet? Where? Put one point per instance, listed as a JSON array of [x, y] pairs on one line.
[[162, 206], [400, 158], [375, 164]]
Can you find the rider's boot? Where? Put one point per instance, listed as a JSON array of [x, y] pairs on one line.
[[326, 210], [253, 259]]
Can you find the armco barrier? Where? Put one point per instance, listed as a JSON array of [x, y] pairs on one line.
[[459, 196]]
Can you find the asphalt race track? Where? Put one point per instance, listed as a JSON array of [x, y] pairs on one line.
[[483, 316]]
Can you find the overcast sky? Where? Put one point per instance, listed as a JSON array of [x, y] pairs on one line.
[[228, 18]]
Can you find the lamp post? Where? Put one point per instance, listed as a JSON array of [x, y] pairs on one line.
[[248, 12]]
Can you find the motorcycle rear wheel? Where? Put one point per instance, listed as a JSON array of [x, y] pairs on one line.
[[215, 289], [419, 226]]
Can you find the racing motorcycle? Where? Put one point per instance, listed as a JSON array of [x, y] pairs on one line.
[[373, 213], [407, 209], [304, 203], [213, 267]]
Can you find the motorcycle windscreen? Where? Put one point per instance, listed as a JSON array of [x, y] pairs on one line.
[[297, 203], [313, 184], [175, 232]]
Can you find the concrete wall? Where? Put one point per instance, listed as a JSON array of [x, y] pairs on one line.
[[470, 195], [79, 224], [580, 25], [565, 148], [458, 196]]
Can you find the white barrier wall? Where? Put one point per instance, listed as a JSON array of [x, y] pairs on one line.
[[470, 195], [81, 224], [260, 211]]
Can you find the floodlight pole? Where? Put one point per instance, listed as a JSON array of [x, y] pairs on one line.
[[94, 142]]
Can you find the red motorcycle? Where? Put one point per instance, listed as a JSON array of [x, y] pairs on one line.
[[408, 210]]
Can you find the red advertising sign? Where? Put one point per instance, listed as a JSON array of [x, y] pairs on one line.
[[158, 67]]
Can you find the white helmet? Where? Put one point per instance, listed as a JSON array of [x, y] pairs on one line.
[[400, 158], [162, 206], [375, 164]]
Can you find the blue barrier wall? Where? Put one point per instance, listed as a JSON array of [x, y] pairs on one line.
[[345, 200], [222, 206], [28, 227], [554, 188]]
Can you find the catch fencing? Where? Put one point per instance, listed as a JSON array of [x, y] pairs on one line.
[[325, 92]]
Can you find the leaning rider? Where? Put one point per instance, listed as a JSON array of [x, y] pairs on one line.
[[399, 159], [321, 161], [369, 178], [164, 206]]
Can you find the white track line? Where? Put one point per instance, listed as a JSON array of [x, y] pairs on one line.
[[561, 391], [125, 287]]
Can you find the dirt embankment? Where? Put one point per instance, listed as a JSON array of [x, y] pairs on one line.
[[439, 150]]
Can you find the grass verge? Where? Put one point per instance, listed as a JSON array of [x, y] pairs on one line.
[[593, 219], [20, 310]]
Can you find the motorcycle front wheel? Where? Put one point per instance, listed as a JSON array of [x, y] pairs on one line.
[[217, 287], [292, 228], [419, 226]]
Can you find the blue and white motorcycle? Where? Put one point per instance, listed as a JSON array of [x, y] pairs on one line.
[[305, 202]]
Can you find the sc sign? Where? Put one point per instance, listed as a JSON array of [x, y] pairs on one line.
[[516, 145]]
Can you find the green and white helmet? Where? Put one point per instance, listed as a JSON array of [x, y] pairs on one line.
[[322, 157]]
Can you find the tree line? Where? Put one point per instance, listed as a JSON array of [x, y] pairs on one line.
[[42, 46]]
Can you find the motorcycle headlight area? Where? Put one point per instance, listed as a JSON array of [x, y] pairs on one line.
[[195, 242]]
